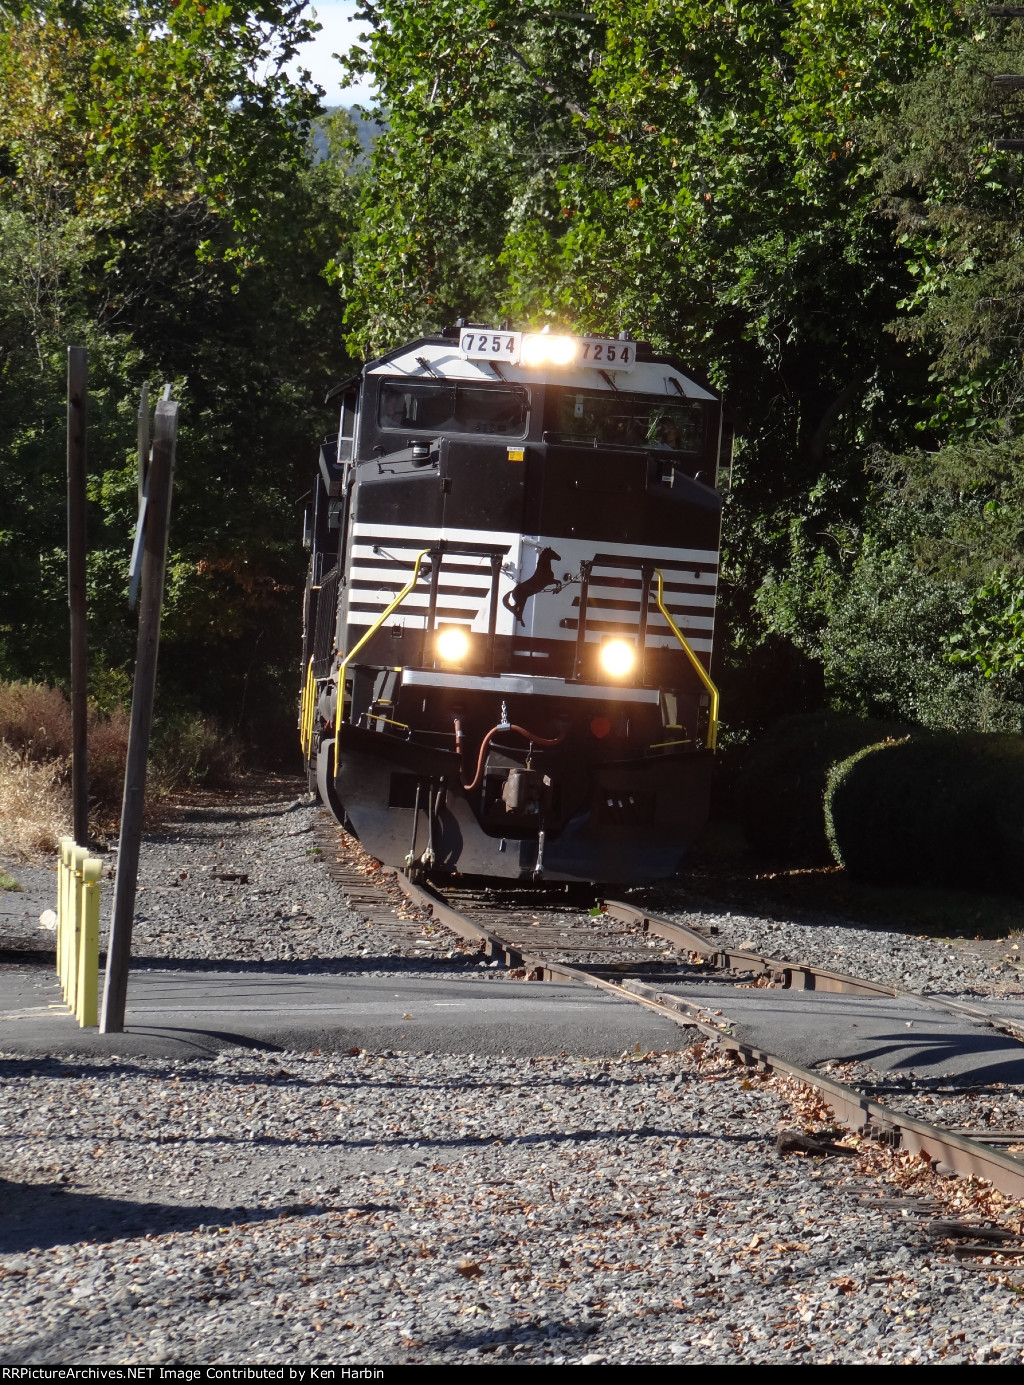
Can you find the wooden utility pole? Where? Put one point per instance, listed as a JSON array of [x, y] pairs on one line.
[[77, 383], [154, 565]]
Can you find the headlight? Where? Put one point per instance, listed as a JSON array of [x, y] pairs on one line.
[[452, 644], [540, 348], [617, 657], [561, 350]]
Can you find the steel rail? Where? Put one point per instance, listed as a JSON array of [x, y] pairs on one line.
[[946, 1151], [797, 976]]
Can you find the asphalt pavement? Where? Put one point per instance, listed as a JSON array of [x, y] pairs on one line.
[[196, 1013], [899, 1035], [182, 1014]]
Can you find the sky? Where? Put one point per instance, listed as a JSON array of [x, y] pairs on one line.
[[338, 34]]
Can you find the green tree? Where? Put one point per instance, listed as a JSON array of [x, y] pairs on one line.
[[957, 201], [943, 556], [703, 175], [160, 202]]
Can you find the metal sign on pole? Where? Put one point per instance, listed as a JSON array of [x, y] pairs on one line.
[[154, 533], [135, 565], [143, 439], [77, 384]]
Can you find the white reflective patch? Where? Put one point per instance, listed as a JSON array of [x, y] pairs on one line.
[[528, 685]]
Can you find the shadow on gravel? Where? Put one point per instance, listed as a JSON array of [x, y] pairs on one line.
[[317, 966], [230, 810], [772, 889], [163, 1070], [425, 1143], [40, 1215], [19, 955], [560, 1334]]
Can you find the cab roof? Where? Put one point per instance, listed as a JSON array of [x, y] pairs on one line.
[[433, 358]]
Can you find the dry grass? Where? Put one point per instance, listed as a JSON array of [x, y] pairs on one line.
[[36, 720], [35, 804], [35, 765], [35, 734]]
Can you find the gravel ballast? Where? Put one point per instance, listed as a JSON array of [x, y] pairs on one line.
[[425, 1209], [890, 957], [243, 881], [407, 1208]]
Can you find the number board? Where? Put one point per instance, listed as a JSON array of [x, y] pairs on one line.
[[478, 345], [601, 354]]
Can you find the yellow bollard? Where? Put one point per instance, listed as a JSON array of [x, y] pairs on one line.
[[65, 910], [66, 843], [81, 856], [87, 1006], [78, 855], [78, 930]]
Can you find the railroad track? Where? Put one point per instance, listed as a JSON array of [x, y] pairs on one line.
[[621, 948]]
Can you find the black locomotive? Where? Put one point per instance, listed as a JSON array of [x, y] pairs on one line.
[[509, 613]]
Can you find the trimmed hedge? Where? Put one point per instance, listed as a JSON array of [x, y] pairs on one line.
[[931, 809], [781, 791]]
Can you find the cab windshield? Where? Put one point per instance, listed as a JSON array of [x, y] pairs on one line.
[[443, 407], [629, 420]]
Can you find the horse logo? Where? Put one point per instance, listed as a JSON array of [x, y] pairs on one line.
[[515, 600]]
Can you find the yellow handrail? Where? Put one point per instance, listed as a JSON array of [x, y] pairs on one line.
[[393, 606], [374, 628], [306, 714], [712, 740]]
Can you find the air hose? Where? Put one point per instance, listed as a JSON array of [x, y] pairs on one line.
[[519, 730]]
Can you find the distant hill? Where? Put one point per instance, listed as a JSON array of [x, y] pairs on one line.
[[366, 131]]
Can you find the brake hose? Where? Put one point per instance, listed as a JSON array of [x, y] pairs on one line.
[[519, 730]]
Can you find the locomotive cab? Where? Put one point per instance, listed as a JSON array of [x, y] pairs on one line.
[[510, 607]]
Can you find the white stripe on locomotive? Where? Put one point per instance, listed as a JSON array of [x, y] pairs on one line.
[[383, 556]]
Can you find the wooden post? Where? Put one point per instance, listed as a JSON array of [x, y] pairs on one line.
[[77, 377], [154, 564]]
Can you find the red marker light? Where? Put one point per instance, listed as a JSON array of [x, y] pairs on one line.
[[600, 727]]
